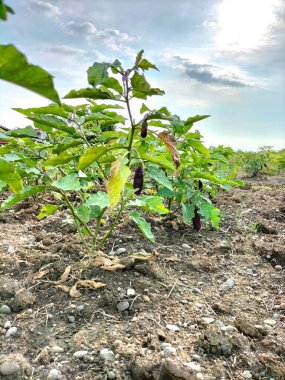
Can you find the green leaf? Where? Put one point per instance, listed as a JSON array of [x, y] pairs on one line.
[[161, 160], [144, 108], [154, 204], [68, 183], [215, 218], [91, 93], [139, 57], [118, 177], [91, 155], [54, 122], [23, 132], [113, 84], [197, 145], [196, 174], [3, 185], [4, 9], [97, 73], [83, 213], [143, 225], [53, 109], [59, 159], [47, 210], [13, 180], [196, 118], [188, 212], [11, 157], [100, 199], [15, 68], [141, 88], [145, 65], [27, 192], [158, 175]]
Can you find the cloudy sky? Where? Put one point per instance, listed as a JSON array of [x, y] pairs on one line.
[[225, 58]]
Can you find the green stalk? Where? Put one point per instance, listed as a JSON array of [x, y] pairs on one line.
[[97, 228]]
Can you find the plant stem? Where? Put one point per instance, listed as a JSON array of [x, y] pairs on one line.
[[96, 232], [127, 99]]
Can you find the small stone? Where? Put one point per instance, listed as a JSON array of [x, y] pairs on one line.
[[56, 349], [278, 267], [71, 319], [270, 322], [196, 358], [186, 247], [172, 327], [80, 354], [121, 250], [80, 308], [268, 257], [246, 375], [207, 321], [7, 324], [54, 374], [122, 306], [146, 298], [229, 284], [196, 290], [194, 367], [5, 309], [111, 375], [107, 355], [199, 376], [9, 368], [168, 349], [131, 292], [11, 331], [228, 328], [184, 302]]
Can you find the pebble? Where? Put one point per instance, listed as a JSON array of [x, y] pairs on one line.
[[278, 267], [80, 308], [80, 354], [186, 247], [121, 250], [194, 367], [5, 309], [7, 324], [111, 375], [56, 349], [228, 328], [229, 284], [11, 331], [131, 292], [122, 306], [54, 374], [196, 291], [199, 376], [71, 319], [246, 375], [207, 320], [251, 272], [107, 355], [9, 368], [168, 349], [184, 302], [196, 358], [172, 327], [270, 322]]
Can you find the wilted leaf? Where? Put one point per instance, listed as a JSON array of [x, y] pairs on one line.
[[170, 143], [47, 210], [145, 256], [113, 267], [73, 292], [63, 277], [64, 288], [40, 274], [118, 178], [92, 284]]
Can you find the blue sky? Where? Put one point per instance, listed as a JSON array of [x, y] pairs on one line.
[[225, 58]]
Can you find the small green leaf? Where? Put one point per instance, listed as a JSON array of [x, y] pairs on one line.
[[144, 108], [91, 155], [47, 210], [154, 204], [196, 118], [54, 122], [27, 192], [83, 213], [68, 183], [145, 65], [113, 84], [23, 132], [215, 218], [188, 212], [53, 109], [158, 175], [143, 225], [59, 159], [15, 68], [100, 199], [91, 93], [98, 73], [197, 145], [3, 185]]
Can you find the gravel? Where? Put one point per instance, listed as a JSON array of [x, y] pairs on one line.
[[229, 284], [122, 306], [11, 331], [80, 354], [107, 355], [54, 374], [171, 327], [5, 309], [9, 368], [121, 250]]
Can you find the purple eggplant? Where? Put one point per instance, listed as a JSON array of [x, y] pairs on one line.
[[138, 180]]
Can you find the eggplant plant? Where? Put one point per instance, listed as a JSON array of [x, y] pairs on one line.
[[99, 162]]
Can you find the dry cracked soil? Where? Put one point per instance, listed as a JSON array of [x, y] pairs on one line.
[[202, 306]]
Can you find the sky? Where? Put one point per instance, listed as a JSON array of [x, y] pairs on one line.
[[224, 58]]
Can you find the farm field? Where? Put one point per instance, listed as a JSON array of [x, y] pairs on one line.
[[207, 305]]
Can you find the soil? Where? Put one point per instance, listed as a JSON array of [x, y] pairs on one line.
[[208, 305]]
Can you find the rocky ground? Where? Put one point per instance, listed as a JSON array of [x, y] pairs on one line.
[[200, 306]]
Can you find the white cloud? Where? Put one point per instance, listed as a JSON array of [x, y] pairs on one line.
[[63, 50], [46, 7]]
